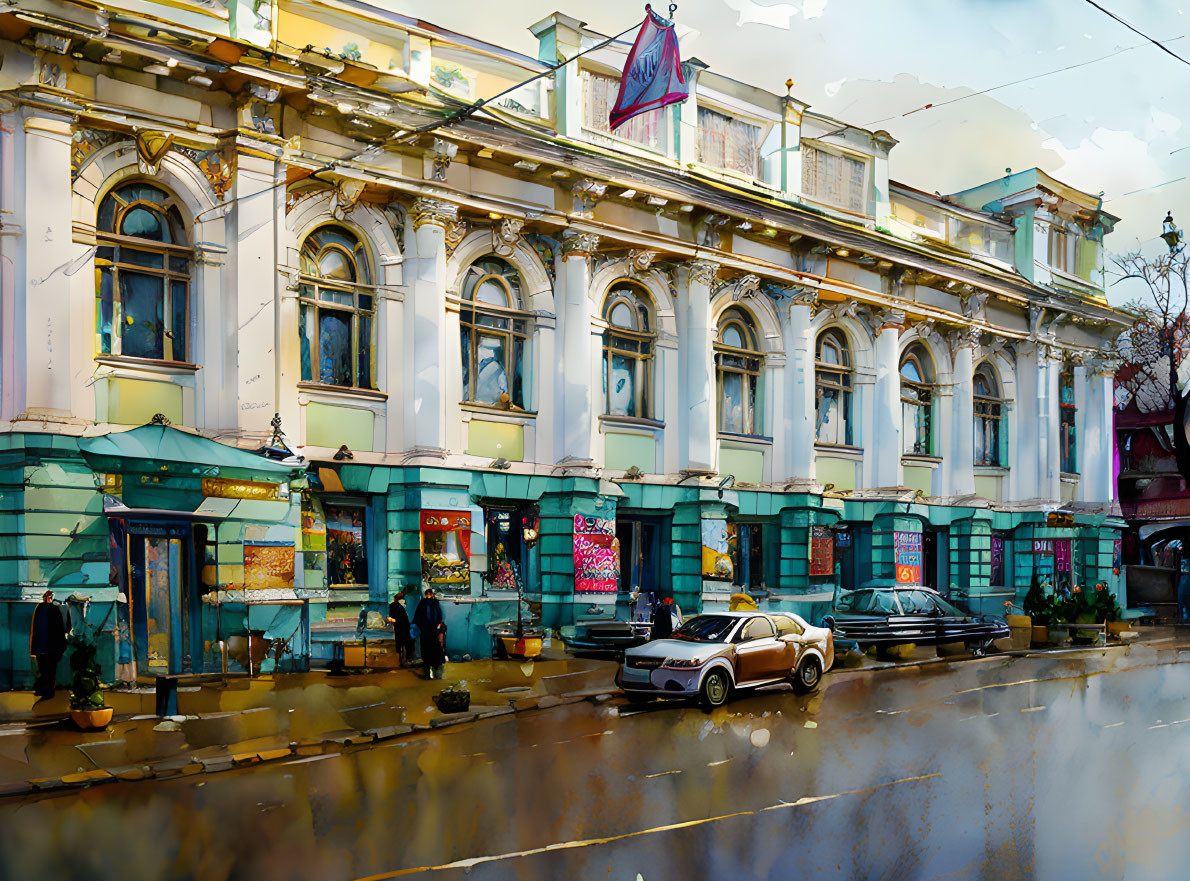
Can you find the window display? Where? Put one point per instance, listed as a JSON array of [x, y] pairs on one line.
[[446, 547]]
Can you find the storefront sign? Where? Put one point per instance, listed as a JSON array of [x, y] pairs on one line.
[[717, 543], [446, 547], [1043, 546], [596, 555], [907, 557], [822, 551], [226, 488], [1062, 555]]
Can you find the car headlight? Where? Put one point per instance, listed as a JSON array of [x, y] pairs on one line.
[[680, 664]]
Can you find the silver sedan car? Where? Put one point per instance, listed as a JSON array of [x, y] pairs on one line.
[[711, 655]]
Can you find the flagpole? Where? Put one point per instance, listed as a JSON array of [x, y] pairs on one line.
[[464, 112]]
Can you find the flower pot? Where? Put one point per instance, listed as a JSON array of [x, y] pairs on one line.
[[92, 720], [1040, 635], [1020, 632]]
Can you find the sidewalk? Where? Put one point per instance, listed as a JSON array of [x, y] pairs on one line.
[[235, 722]]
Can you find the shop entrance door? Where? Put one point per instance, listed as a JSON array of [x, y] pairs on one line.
[[160, 600], [642, 563]]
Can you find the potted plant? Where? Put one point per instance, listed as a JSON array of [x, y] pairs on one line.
[[86, 696], [1041, 608]]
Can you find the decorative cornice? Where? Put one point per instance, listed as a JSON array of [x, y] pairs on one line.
[[964, 338], [703, 271], [441, 154], [639, 261], [579, 244], [744, 288], [706, 230], [434, 212], [886, 319], [586, 193], [974, 303]]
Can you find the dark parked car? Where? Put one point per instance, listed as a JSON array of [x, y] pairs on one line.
[[885, 616], [607, 638]]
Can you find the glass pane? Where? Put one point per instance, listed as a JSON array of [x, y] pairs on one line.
[[179, 319], [909, 371], [910, 394], [518, 372], [103, 310], [144, 224], [830, 423], [491, 376], [731, 406], [346, 558], [492, 293], [333, 263], [465, 347], [179, 264], [106, 216], [364, 302], [622, 316], [143, 325], [732, 337], [829, 354], [750, 405], [305, 334], [334, 347], [621, 396], [363, 376], [912, 428], [141, 258], [339, 298], [491, 321]]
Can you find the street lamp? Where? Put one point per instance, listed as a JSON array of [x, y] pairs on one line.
[[1171, 234]]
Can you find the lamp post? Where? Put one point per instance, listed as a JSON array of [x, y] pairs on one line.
[[1171, 234], [529, 535]]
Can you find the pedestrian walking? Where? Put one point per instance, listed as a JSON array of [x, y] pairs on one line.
[[399, 619], [432, 634], [47, 644], [663, 622]]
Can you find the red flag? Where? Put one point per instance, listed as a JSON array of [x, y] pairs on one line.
[[653, 73]]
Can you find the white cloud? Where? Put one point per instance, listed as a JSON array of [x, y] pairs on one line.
[[751, 12], [813, 8]]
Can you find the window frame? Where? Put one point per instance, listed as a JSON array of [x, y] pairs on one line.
[[988, 413], [635, 344], [810, 151], [1068, 424], [516, 332], [359, 259], [925, 391], [650, 125], [750, 370], [115, 266], [724, 161], [833, 377]]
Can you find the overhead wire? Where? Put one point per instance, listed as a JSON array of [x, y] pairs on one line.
[[1137, 30]]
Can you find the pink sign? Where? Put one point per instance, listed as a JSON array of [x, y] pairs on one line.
[[596, 555]]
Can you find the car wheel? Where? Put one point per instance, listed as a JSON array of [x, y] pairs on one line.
[[807, 675], [715, 689]]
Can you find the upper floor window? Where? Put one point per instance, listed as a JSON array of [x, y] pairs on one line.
[[917, 401], [988, 416], [832, 380], [336, 323], [494, 332], [1068, 412], [628, 351], [1063, 246], [728, 143], [142, 274], [599, 97], [835, 178], [737, 366]]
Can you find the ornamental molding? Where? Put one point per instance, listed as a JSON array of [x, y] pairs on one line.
[[974, 304], [964, 338], [890, 319], [586, 193], [434, 212], [703, 272], [506, 235], [441, 154], [346, 197], [639, 260], [579, 244], [743, 288], [802, 296], [151, 148], [707, 230]]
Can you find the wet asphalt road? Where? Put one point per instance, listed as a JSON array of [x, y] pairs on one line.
[[1053, 767]]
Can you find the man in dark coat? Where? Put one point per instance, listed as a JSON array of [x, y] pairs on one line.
[[47, 643], [399, 619], [432, 633], [663, 622]]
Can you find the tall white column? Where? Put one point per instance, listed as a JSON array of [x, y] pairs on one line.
[[425, 327], [1025, 466], [1098, 483], [884, 444], [578, 393], [962, 449], [799, 388], [697, 341], [46, 278], [1051, 472]]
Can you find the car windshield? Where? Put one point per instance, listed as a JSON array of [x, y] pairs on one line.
[[949, 608], [706, 628], [878, 602]]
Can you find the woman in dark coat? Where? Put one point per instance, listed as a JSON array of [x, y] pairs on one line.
[[399, 619], [47, 643], [432, 629]]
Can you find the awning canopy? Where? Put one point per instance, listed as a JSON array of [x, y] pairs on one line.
[[149, 447]]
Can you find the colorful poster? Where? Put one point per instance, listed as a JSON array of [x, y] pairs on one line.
[[907, 557], [268, 565], [822, 551], [596, 555], [716, 550], [446, 547], [1043, 546]]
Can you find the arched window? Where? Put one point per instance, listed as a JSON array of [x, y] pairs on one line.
[[1068, 410], [917, 401], [628, 351], [142, 274], [987, 416], [737, 367], [832, 399], [494, 331], [336, 324]]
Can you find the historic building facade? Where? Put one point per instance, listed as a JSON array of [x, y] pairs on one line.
[[270, 354]]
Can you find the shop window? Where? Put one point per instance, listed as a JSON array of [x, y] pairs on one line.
[[745, 546], [628, 351], [720, 550], [446, 548], [142, 274], [336, 326], [505, 542], [728, 143], [988, 414], [917, 401], [738, 362], [1068, 412], [999, 567], [599, 97], [835, 179], [832, 380], [346, 546], [494, 333]]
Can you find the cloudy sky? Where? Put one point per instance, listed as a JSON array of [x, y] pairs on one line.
[[1116, 120]]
